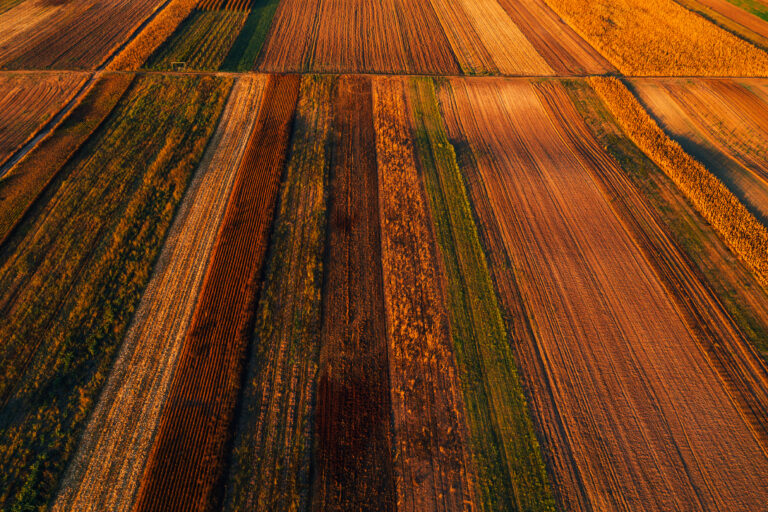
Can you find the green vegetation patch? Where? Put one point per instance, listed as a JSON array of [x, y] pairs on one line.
[[756, 7], [511, 472], [691, 233], [201, 42], [247, 46], [74, 271]]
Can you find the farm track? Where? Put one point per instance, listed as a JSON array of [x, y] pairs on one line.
[[721, 123], [106, 470], [273, 443], [188, 456], [27, 102], [433, 468], [75, 268], [622, 414], [79, 34], [354, 464]]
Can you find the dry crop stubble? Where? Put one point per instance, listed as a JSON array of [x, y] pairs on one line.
[[433, 468], [187, 460], [591, 358], [105, 473]]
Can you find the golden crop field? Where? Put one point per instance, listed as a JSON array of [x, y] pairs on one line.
[[384, 255]]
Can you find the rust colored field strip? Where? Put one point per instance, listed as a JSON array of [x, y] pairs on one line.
[[106, 471], [635, 410], [433, 468], [187, 459], [354, 467]]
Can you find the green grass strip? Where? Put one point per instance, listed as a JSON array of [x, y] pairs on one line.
[[247, 46], [511, 472], [759, 9]]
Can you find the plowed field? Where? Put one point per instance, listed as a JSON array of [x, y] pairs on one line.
[[186, 463], [633, 410]]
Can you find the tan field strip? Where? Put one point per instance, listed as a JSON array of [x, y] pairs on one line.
[[723, 124], [28, 101], [635, 412], [397, 36], [106, 471], [432, 468]]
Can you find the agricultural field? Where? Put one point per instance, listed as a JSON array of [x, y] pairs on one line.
[[28, 102], [74, 269], [80, 34], [384, 255], [724, 124]]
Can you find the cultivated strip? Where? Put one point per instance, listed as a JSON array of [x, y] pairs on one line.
[[105, 473]]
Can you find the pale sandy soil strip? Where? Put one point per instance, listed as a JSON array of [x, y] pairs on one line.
[[721, 123], [106, 470], [432, 469], [635, 416]]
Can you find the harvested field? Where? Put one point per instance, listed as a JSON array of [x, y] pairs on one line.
[[185, 466], [354, 465], [660, 37], [432, 459], [757, 7], [74, 270], [737, 21], [28, 101], [202, 41], [29, 178], [511, 474], [106, 470], [563, 49], [78, 34], [721, 123], [624, 403], [395, 36], [273, 441]]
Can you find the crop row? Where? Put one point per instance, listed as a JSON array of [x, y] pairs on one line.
[[74, 269]]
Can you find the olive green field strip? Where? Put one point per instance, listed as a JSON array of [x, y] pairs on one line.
[[511, 473], [623, 403], [186, 463], [29, 178], [106, 470], [76, 34], [28, 101], [73, 272], [272, 447], [724, 125]]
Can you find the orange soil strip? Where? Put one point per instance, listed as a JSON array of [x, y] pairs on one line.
[[473, 57], [722, 124], [187, 459], [740, 16], [563, 49], [80, 34], [106, 470], [354, 467], [28, 101], [432, 467], [635, 414]]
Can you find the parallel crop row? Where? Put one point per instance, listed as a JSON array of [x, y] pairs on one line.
[[74, 270]]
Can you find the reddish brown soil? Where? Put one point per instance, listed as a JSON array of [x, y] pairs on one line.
[[354, 468], [185, 466]]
